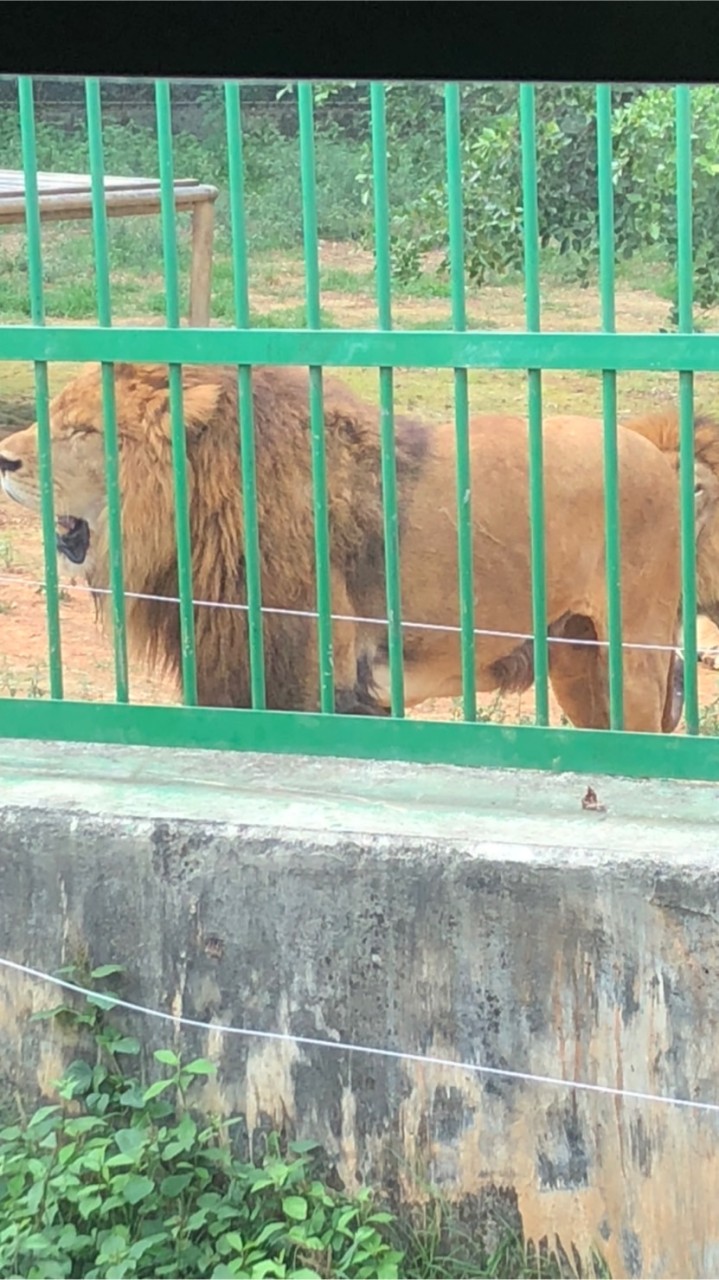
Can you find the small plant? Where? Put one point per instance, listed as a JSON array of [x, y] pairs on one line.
[[7, 553], [709, 719]]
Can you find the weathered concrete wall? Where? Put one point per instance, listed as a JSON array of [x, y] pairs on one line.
[[481, 917]]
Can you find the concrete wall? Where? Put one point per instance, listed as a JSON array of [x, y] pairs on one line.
[[481, 917]]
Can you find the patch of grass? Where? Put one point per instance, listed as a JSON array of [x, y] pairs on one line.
[[7, 553], [429, 285], [22, 685], [290, 318], [709, 719], [343, 280]]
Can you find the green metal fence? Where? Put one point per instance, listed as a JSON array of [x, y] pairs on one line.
[[465, 742]]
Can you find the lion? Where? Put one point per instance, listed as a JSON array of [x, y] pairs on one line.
[[576, 606], [662, 428]]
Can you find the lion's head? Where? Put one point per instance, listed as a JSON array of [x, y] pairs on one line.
[[662, 428], [78, 456], [216, 516]]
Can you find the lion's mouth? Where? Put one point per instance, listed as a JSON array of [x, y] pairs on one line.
[[73, 538]]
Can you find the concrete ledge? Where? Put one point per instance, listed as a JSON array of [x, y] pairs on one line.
[[478, 916]]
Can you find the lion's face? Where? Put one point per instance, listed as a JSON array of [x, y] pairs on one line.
[[77, 465], [706, 497]]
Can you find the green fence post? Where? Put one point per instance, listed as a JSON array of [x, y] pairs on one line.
[[534, 375], [461, 401], [609, 402], [42, 397], [247, 433], [317, 419], [110, 441], [386, 400], [686, 406], [177, 423]]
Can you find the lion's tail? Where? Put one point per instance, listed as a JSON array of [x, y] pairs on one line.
[[515, 672]]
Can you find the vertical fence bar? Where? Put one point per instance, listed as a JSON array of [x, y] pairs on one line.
[[177, 425], [609, 405], [534, 376], [42, 398], [686, 405], [104, 316], [317, 422], [461, 400], [386, 401], [247, 431]]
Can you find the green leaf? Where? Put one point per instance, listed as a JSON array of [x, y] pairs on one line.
[[131, 1141], [147, 1242], [132, 1097], [120, 1161], [101, 1001], [78, 1077], [104, 970], [197, 1219], [126, 1044], [43, 1014], [200, 1067], [387, 1269], [114, 1245], [42, 1114], [167, 1057], [175, 1184], [36, 1243], [109, 1204], [34, 1197], [158, 1087], [235, 1241], [295, 1207], [67, 1237], [268, 1267], [269, 1231], [137, 1188], [88, 1206], [83, 1124]]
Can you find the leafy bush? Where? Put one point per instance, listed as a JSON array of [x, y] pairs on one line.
[[127, 1180], [134, 1185], [644, 172]]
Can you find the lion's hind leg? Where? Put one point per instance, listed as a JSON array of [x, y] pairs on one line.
[[577, 671], [652, 678]]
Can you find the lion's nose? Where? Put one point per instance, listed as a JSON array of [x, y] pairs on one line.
[[9, 464]]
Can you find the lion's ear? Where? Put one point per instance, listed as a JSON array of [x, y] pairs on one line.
[[200, 404]]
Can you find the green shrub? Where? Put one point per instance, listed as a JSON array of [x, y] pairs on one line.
[[125, 1179], [136, 1185]]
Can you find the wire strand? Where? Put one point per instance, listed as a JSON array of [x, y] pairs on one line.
[[342, 1046], [36, 583]]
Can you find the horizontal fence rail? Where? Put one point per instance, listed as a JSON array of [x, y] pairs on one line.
[[315, 346]]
